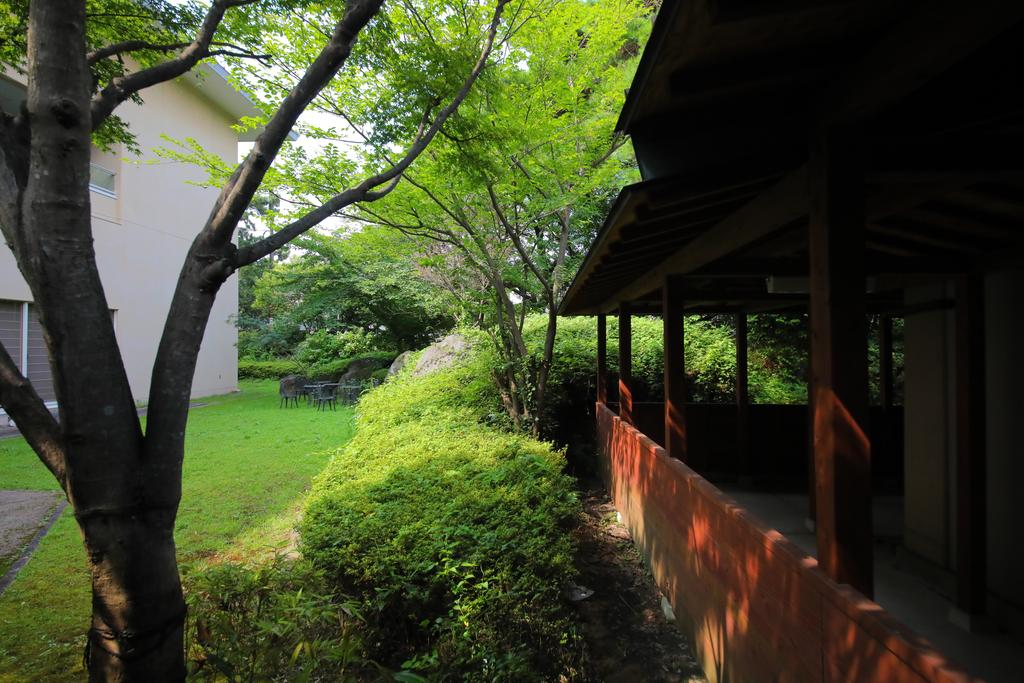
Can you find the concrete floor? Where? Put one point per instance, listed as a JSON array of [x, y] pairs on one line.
[[906, 586]]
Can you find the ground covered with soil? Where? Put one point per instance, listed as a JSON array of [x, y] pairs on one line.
[[628, 636]]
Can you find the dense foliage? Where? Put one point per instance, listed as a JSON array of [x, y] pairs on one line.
[[341, 295], [277, 621], [331, 369], [267, 369], [506, 204], [451, 530]]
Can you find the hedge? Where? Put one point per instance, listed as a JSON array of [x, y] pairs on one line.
[[267, 369], [332, 370], [453, 533]]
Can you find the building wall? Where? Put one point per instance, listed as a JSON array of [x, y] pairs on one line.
[[143, 234]]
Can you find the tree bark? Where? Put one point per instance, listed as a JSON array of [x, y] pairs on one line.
[[97, 449]]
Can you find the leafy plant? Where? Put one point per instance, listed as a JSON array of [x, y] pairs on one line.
[[278, 621], [451, 530]]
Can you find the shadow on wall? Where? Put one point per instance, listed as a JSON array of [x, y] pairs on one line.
[[755, 606]]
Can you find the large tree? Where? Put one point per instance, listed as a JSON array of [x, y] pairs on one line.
[[84, 58], [365, 282], [509, 200]]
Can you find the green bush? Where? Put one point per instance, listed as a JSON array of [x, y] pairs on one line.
[[334, 369], [380, 375], [453, 532], [267, 369], [324, 347], [278, 621]]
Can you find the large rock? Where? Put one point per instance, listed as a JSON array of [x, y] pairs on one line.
[[400, 362], [441, 354], [359, 370]]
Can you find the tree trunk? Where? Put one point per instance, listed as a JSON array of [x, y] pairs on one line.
[[545, 368], [125, 502], [138, 611]]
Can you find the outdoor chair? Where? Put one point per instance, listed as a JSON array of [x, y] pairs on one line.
[[289, 390], [326, 396]]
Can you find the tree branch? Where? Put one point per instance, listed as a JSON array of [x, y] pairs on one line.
[[247, 178], [19, 398], [126, 46], [518, 243], [121, 88], [363, 191]]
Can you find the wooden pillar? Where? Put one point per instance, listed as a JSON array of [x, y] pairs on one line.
[[672, 293], [885, 388], [812, 499], [625, 365], [970, 446], [839, 363], [885, 375], [742, 402], [602, 359]]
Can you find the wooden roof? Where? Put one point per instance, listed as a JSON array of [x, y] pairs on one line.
[[726, 97]]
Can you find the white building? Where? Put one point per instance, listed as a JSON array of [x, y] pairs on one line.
[[145, 212]]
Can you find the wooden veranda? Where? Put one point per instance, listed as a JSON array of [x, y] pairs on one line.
[[840, 158]]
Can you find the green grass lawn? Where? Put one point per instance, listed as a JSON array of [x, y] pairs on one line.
[[247, 466]]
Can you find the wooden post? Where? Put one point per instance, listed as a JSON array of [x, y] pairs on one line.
[[602, 359], [625, 365], [885, 381], [742, 403], [812, 498], [842, 450], [970, 448], [885, 388], [672, 293]]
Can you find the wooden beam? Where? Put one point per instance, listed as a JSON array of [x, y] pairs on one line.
[[742, 401], [947, 159], [602, 359], [759, 218], [927, 238], [927, 42], [970, 446], [672, 295], [947, 220], [842, 450], [625, 365]]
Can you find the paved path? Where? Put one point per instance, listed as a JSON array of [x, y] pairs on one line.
[[25, 517]]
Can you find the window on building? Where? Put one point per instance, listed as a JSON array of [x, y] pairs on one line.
[[10, 329], [102, 180], [22, 338], [21, 335]]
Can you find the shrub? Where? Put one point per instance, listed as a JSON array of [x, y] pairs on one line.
[[268, 342], [324, 347], [267, 369], [454, 532], [334, 369], [279, 621]]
